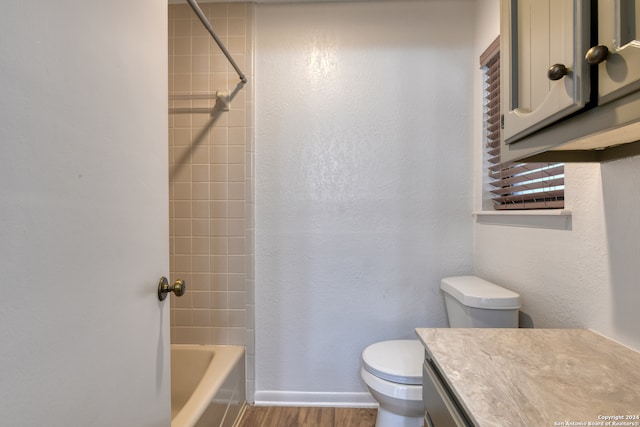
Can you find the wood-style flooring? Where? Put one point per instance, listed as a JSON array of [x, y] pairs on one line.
[[284, 416]]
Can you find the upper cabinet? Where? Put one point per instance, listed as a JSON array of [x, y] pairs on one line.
[[619, 33], [570, 79], [544, 75]]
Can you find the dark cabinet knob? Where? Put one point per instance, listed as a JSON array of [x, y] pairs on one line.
[[597, 54], [557, 71]]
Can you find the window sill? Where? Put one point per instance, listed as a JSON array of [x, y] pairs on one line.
[[555, 219]]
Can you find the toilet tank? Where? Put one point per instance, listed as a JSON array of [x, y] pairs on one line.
[[472, 302]]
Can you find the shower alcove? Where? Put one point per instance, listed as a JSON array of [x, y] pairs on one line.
[[211, 177]]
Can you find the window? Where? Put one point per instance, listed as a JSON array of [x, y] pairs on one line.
[[514, 185]]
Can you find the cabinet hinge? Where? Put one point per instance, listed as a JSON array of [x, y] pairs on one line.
[[501, 121]]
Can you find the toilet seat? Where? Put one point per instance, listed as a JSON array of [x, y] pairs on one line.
[[397, 361], [378, 386]]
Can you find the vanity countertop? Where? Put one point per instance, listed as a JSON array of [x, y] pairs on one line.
[[538, 377]]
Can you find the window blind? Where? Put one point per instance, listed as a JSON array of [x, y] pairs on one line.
[[515, 185]]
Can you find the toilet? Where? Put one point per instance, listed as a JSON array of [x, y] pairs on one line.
[[392, 370]]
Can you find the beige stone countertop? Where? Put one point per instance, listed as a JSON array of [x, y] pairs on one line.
[[538, 377]]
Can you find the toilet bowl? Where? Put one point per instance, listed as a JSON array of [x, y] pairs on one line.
[[392, 370]]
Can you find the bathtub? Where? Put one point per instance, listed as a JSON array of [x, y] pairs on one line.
[[207, 385]]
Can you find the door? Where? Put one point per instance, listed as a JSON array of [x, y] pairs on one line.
[[83, 214], [619, 31], [541, 34]]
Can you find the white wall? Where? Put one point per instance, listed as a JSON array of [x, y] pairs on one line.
[[363, 183], [584, 276]]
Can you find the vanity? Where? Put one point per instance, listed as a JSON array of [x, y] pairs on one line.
[[528, 377]]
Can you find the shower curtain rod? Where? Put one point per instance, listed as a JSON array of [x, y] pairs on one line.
[[207, 25]]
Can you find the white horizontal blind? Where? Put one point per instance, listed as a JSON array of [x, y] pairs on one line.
[[515, 185]]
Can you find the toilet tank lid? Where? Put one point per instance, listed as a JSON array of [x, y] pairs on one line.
[[475, 292]]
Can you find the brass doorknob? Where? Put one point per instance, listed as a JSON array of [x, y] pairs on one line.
[[179, 287], [557, 71], [596, 54]]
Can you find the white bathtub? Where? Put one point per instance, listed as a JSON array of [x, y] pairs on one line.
[[207, 385]]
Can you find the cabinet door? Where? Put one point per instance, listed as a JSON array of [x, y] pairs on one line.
[[619, 30], [537, 35], [440, 409]]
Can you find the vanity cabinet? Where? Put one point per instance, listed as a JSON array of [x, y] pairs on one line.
[[487, 377], [570, 79], [441, 409]]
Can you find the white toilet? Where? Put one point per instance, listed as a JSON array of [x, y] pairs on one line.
[[392, 370]]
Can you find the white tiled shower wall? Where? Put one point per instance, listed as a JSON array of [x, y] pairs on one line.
[[211, 177]]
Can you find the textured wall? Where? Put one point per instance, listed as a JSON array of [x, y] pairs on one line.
[[363, 184]]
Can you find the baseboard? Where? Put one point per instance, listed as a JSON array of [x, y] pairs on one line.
[[305, 398]]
